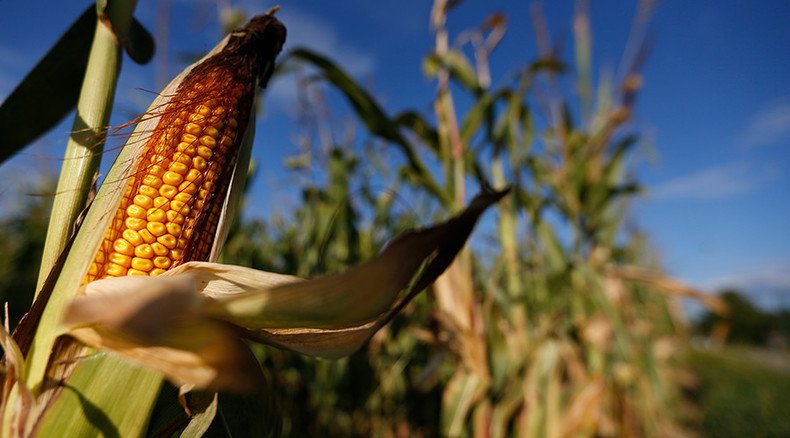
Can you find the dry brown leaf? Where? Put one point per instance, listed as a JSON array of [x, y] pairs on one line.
[[188, 323]]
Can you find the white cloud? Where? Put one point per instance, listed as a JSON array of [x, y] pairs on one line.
[[769, 126], [723, 181]]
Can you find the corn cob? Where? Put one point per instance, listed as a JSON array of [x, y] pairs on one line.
[[172, 203]]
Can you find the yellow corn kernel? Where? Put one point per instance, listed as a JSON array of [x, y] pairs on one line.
[[156, 228], [156, 214], [134, 223], [144, 251], [162, 262], [175, 178], [207, 141], [173, 228], [182, 196], [168, 191], [205, 152], [132, 237], [147, 236], [177, 254], [194, 175], [180, 158], [148, 191], [193, 128], [136, 211], [167, 240], [188, 187], [142, 264], [186, 148], [122, 246], [211, 132], [160, 201], [181, 167], [172, 178], [120, 259], [160, 160], [203, 110], [188, 138], [152, 180], [178, 206], [114, 270], [175, 217], [156, 170], [159, 249], [143, 201]]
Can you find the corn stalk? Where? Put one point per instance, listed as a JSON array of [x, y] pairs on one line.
[[106, 329]]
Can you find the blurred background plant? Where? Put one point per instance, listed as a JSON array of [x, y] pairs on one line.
[[534, 332], [558, 322]]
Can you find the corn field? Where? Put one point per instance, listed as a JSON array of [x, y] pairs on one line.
[[165, 313]]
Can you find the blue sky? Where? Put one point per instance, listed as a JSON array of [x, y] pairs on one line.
[[715, 108]]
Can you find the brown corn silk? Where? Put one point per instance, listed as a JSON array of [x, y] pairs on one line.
[[172, 203]]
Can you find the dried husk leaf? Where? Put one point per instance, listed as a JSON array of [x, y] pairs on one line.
[[165, 316], [13, 380], [179, 323]]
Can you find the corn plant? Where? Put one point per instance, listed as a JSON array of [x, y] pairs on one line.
[[558, 330], [134, 297]]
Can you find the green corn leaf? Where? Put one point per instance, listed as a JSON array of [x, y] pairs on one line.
[[372, 115], [139, 44], [418, 125], [462, 392], [51, 89], [457, 64], [555, 255], [99, 397], [202, 419], [135, 39]]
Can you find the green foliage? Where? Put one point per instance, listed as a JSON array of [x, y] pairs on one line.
[[532, 333], [537, 337], [741, 395], [747, 324], [22, 233], [51, 89]]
